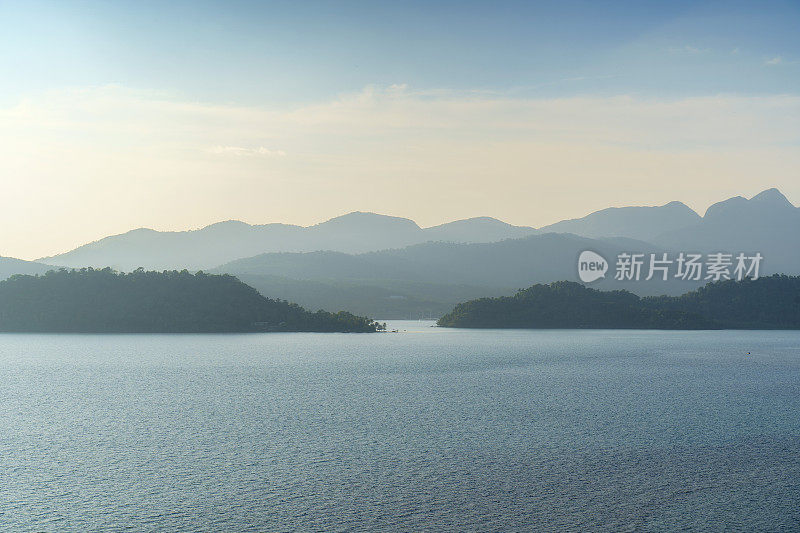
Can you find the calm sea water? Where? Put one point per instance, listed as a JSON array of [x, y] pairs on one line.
[[425, 429]]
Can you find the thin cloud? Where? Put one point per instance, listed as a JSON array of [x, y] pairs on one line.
[[240, 151], [777, 60]]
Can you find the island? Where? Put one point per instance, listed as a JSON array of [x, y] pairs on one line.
[[766, 303], [105, 301]]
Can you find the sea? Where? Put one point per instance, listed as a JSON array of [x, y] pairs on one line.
[[417, 429]]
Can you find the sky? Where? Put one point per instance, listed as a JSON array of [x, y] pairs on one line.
[[175, 115]]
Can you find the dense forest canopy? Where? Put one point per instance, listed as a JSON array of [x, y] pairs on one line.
[[767, 303], [771, 302], [89, 300]]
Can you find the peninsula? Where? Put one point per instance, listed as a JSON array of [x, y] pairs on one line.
[[105, 301], [767, 303]]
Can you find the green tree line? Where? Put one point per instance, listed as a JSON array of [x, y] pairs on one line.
[[102, 300], [767, 303]]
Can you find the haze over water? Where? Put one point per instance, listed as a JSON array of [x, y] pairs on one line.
[[426, 428]]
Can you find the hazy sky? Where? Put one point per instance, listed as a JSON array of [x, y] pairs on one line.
[[174, 115]]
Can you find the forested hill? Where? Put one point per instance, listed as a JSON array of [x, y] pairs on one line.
[[767, 303], [95, 301], [771, 302]]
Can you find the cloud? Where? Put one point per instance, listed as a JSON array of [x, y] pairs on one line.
[[239, 151], [391, 116], [777, 60]]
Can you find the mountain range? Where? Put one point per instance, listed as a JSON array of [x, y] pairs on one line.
[[390, 267], [10, 266], [767, 223], [222, 242], [427, 279], [643, 223]]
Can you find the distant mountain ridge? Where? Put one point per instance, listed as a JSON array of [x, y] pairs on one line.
[[222, 242], [735, 224], [390, 267], [767, 223], [392, 282], [643, 223], [433, 276], [10, 266]]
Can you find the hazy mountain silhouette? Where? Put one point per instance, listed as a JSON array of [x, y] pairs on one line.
[[508, 263], [642, 223], [479, 229], [767, 223], [430, 276], [10, 266], [349, 253], [226, 241]]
